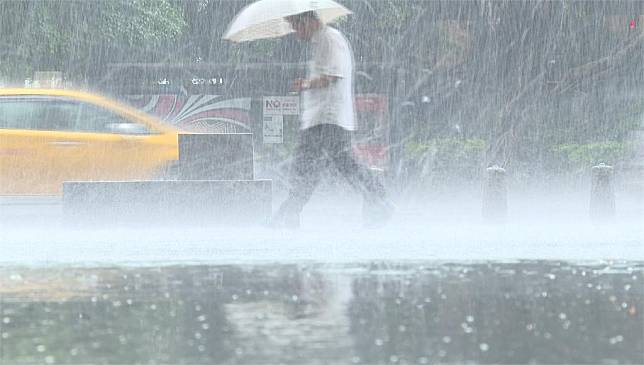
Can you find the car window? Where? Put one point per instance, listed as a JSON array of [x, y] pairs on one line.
[[95, 119], [58, 114], [19, 114]]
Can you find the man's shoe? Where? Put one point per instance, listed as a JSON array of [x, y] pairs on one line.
[[283, 220], [376, 214]]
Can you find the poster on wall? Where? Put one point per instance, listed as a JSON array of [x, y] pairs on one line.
[[197, 113], [274, 108], [273, 129], [281, 105]]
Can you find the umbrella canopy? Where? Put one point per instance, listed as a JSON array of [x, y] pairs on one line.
[[266, 18]]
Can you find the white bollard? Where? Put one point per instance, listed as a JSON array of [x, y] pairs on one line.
[[495, 195], [602, 194]]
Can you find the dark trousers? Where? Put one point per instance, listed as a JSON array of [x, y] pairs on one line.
[[320, 147]]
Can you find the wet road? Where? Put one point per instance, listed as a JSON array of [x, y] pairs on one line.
[[435, 286], [378, 313]]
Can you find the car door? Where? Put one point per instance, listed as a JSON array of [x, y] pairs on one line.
[[103, 145], [71, 140], [27, 150]]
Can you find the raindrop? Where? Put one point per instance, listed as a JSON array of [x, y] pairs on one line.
[[201, 348], [5, 335], [355, 359], [153, 306], [73, 352], [239, 351], [402, 328], [205, 326], [294, 298], [530, 326], [393, 358], [566, 325], [129, 301], [235, 296], [15, 277], [484, 346], [442, 353], [197, 307], [201, 318], [379, 342], [423, 360], [627, 287], [41, 348], [447, 339], [624, 305], [562, 316], [469, 319], [547, 335], [50, 359], [616, 339], [6, 320], [197, 335], [117, 303]]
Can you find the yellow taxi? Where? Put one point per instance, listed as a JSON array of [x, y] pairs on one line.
[[50, 136]]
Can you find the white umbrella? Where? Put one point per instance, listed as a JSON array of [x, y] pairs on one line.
[[265, 18]]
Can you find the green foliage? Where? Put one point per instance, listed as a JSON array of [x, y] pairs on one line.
[[445, 159], [576, 158], [138, 23], [447, 148], [77, 36]]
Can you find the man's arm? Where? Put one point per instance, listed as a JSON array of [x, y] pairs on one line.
[[316, 83]]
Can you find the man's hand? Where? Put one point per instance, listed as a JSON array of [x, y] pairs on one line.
[[317, 83], [301, 85]]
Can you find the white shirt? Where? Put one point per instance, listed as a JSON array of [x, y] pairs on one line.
[[333, 104]]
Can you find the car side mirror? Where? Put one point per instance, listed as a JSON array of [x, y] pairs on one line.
[[126, 128]]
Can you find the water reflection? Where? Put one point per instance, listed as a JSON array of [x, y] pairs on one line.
[[541, 312]]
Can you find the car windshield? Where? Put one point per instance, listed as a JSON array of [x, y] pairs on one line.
[[322, 182], [60, 114]]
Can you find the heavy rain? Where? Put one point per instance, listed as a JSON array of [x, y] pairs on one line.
[[321, 182]]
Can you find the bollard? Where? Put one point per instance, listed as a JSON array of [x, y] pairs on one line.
[[602, 194], [495, 192]]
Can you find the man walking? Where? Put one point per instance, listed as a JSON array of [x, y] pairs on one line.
[[327, 121]]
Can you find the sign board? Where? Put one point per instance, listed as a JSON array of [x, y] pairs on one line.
[[281, 105], [273, 129]]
